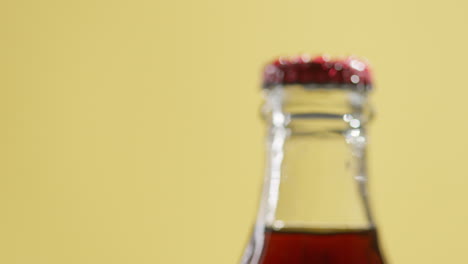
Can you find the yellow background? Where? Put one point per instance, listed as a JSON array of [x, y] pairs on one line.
[[130, 130]]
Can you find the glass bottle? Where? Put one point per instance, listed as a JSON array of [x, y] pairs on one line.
[[314, 208]]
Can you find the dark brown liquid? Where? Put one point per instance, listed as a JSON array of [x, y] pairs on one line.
[[321, 247]]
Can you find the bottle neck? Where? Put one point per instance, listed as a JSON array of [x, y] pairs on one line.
[[316, 159]]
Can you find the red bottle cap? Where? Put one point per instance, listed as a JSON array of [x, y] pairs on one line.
[[349, 71]]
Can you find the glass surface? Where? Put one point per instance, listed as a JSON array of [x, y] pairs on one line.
[[314, 206]]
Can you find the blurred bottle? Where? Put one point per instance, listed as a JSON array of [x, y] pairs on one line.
[[314, 206]]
